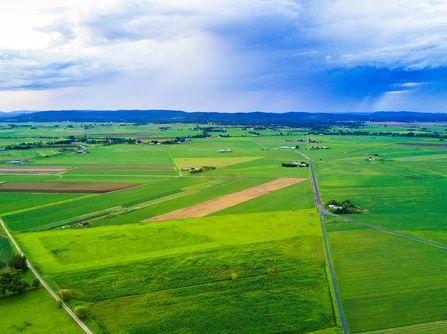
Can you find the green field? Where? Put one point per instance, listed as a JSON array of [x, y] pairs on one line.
[[258, 266], [181, 272], [387, 281], [255, 267], [34, 312]]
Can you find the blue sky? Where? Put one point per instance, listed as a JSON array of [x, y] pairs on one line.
[[224, 55]]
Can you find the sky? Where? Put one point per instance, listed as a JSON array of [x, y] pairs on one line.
[[224, 55]]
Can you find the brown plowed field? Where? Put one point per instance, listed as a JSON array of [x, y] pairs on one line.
[[32, 169], [125, 167], [226, 201], [63, 187]]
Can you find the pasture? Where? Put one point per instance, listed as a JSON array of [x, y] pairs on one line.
[[252, 265], [175, 274], [34, 312], [387, 281]]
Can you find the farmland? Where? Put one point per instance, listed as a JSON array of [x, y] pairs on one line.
[[390, 272], [252, 260], [19, 315], [149, 240]]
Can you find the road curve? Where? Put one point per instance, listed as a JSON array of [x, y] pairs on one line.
[[44, 283], [323, 212]]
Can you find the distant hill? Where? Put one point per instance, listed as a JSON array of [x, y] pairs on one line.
[[171, 116], [13, 114]]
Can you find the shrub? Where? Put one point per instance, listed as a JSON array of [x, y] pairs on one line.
[[65, 294], [59, 304], [80, 311], [234, 276], [270, 271], [18, 262], [35, 283]]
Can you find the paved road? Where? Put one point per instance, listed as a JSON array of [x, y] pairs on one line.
[[45, 284], [323, 212]]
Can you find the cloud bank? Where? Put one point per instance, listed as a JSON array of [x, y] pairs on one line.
[[224, 55]]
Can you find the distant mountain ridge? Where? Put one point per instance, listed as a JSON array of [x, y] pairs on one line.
[[171, 116]]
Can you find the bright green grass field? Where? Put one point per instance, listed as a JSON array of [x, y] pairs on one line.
[[386, 281], [56, 215], [120, 155], [34, 312], [10, 202], [402, 195], [175, 276]]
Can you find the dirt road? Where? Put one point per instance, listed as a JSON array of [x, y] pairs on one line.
[[227, 201]]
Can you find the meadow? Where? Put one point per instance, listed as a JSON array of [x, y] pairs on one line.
[[386, 280], [257, 266], [34, 312], [181, 271]]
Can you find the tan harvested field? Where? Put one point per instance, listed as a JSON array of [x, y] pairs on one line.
[[32, 169], [125, 167], [63, 187], [223, 202]]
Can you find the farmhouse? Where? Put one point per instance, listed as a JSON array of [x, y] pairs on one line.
[[17, 162], [295, 164], [315, 147], [334, 207]]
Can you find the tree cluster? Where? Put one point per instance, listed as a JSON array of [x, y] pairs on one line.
[[12, 277], [344, 207]]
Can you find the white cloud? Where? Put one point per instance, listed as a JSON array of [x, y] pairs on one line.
[[207, 54], [398, 33]]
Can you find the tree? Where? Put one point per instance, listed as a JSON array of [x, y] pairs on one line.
[[11, 282], [80, 311], [65, 294], [18, 262]]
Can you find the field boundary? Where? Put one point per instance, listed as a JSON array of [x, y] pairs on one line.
[[45, 284], [65, 187]]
